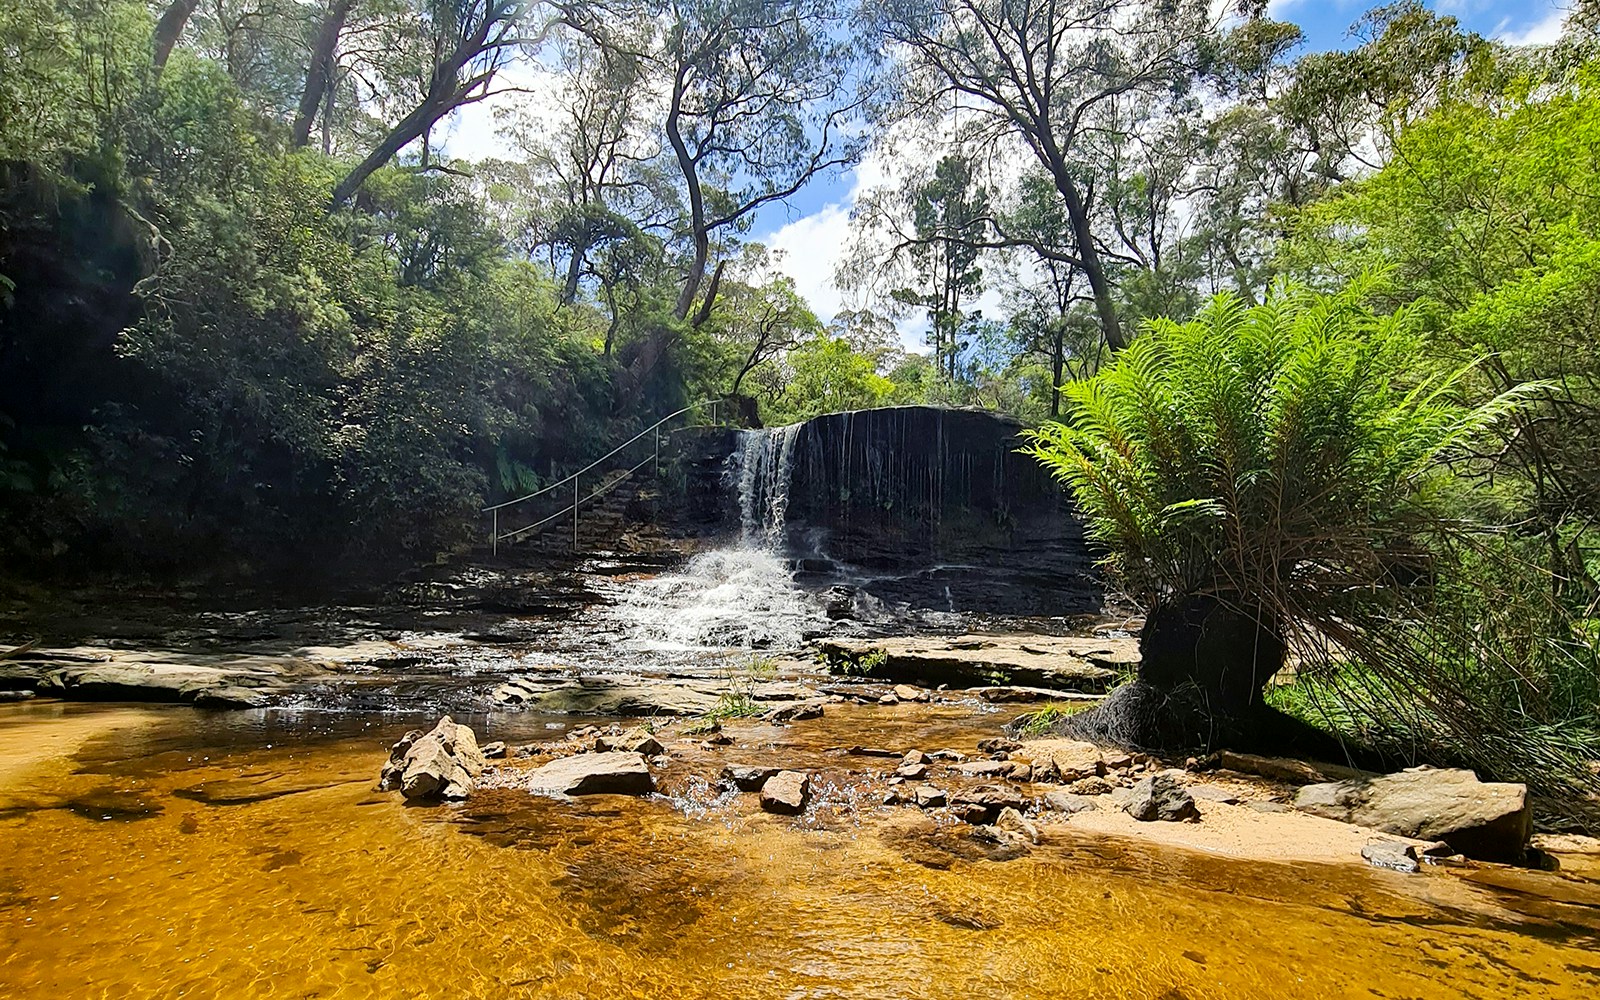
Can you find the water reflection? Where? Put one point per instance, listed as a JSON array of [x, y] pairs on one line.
[[311, 884]]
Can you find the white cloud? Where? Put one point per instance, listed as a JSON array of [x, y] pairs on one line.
[[811, 246], [473, 132], [1544, 31]]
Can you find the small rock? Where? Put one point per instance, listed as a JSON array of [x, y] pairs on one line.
[[1161, 797], [1019, 770], [1090, 786], [798, 712], [1013, 821], [615, 773], [1045, 772], [998, 744], [583, 733], [984, 768], [717, 739], [1210, 793], [912, 772], [786, 792], [748, 778], [494, 751], [985, 802], [1390, 855], [905, 692], [948, 756], [915, 757], [871, 752], [889, 699], [1116, 761], [929, 797], [1065, 802]]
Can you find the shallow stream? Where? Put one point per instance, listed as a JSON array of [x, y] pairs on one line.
[[169, 852]]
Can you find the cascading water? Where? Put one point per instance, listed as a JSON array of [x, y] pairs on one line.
[[739, 596], [763, 467]]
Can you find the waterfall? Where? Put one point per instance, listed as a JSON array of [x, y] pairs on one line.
[[762, 468], [742, 596]]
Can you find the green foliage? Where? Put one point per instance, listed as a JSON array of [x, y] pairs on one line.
[[738, 700], [1282, 453], [863, 665], [1044, 721]]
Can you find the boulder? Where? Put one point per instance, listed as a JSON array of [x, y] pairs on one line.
[[1012, 821], [442, 763], [746, 777], [615, 772], [1490, 821], [786, 792], [1161, 797]]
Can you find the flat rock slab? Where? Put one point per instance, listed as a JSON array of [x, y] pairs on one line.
[[627, 694], [92, 673], [1083, 664], [1485, 820], [614, 773]]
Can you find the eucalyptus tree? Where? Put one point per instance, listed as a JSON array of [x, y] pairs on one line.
[[169, 28], [758, 98], [467, 44], [1040, 71], [949, 216], [320, 81]]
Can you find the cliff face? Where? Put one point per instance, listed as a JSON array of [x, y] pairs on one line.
[[930, 506]]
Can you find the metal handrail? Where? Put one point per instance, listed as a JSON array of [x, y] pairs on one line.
[[607, 455], [578, 501]]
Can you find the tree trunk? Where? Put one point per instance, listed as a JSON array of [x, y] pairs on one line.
[[1056, 360], [1204, 661], [697, 202], [168, 30], [319, 73], [704, 312]]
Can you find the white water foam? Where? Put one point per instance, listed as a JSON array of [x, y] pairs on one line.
[[742, 596]]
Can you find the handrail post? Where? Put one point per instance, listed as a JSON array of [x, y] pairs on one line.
[[494, 534], [575, 513]]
